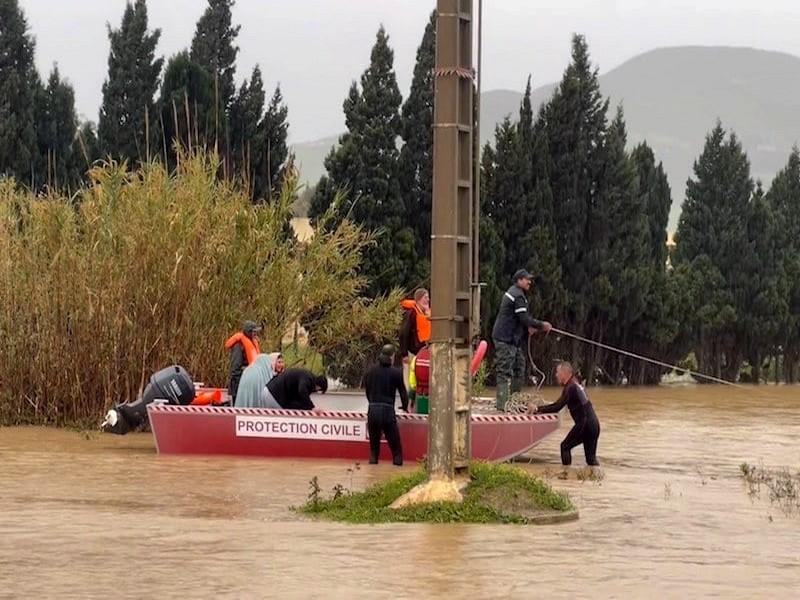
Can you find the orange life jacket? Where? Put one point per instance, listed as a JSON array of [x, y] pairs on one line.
[[251, 349], [423, 321]]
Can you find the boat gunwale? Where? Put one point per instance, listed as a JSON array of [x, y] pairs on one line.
[[163, 407]]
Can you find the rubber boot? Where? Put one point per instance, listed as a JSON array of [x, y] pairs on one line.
[[502, 395]]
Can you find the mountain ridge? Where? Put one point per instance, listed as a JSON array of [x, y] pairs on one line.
[[672, 97]]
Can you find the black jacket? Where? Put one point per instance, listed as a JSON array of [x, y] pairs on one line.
[[575, 399], [292, 389], [238, 365], [513, 320], [382, 382], [409, 337]]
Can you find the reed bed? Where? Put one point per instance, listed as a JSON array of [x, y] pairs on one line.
[[150, 268]]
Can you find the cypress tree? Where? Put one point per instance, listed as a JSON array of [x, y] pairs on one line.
[[214, 48], [764, 295], [712, 237], [416, 155], [365, 166], [186, 87], [784, 200], [246, 112], [273, 156], [59, 166], [87, 148], [492, 247], [656, 330], [623, 271], [128, 111], [574, 124], [17, 93]]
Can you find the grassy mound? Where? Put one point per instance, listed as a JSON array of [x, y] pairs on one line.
[[496, 494]]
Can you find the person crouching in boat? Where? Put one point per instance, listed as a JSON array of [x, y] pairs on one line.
[[244, 349], [252, 391], [292, 390], [586, 430], [382, 382]]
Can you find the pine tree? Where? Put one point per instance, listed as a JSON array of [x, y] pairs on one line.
[[128, 113], [59, 167], [365, 166], [416, 155], [17, 91], [214, 48], [712, 238], [186, 105], [784, 200], [273, 156]]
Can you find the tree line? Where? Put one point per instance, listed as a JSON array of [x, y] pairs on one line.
[[564, 196], [562, 193], [150, 108]]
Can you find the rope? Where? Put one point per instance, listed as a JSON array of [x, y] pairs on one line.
[[645, 358]]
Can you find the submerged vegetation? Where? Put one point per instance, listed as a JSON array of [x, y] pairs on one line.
[[495, 494], [781, 485], [149, 268]]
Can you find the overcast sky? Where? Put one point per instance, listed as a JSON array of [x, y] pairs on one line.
[[315, 48]]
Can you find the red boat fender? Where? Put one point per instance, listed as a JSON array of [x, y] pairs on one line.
[[480, 352], [213, 397]]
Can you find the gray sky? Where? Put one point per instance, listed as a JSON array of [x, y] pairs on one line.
[[315, 48]]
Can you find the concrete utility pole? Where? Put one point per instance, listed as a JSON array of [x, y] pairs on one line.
[[451, 242]]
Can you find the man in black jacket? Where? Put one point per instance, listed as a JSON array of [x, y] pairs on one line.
[[510, 334], [382, 383], [292, 389], [586, 430]]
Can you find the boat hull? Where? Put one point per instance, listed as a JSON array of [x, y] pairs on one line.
[[214, 430]]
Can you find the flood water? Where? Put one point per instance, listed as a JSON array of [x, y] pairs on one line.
[[92, 516]]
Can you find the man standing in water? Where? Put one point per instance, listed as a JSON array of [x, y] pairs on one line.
[[382, 384], [511, 329], [586, 430]]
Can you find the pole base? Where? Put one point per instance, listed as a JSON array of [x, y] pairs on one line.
[[433, 490]]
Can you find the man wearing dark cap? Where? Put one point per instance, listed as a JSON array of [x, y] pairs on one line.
[[382, 384], [510, 334], [244, 349]]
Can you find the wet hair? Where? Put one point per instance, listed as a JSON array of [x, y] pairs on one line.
[[419, 294], [321, 383], [566, 365]]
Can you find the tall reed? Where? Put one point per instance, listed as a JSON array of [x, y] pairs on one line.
[[149, 268]]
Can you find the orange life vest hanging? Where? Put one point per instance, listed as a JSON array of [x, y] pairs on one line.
[[423, 321], [251, 349]]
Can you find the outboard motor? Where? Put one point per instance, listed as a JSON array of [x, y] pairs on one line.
[[173, 384]]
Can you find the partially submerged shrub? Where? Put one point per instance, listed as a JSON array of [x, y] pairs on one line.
[[147, 268]]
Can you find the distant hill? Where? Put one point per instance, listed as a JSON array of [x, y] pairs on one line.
[[672, 98]]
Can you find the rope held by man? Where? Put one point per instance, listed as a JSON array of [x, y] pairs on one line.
[[633, 355]]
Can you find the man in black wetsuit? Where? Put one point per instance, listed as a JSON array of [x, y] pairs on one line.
[[587, 428], [382, 382], [292, 389]]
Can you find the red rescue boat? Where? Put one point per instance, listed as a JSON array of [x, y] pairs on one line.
[[327, 433]]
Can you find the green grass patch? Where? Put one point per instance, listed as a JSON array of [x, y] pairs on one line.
[[495, 494]]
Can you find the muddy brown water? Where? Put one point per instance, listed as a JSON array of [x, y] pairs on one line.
[[90, 516]]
